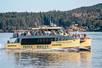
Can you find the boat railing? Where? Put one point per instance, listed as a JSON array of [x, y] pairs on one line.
[[48, 33], [37, 33]]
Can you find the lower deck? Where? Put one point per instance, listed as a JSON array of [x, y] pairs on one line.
[[54, 45]]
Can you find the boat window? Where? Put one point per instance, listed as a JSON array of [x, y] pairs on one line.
[[17, 40], [31, 41], [12, 40]]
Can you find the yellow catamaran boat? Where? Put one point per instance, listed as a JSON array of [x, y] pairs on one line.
[[45, 38]]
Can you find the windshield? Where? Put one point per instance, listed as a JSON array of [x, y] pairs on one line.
[[13, 40]]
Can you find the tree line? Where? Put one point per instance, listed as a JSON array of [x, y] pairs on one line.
[[90, 18]]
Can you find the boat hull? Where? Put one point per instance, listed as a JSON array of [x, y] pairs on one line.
[[86, 44], [55, 45]]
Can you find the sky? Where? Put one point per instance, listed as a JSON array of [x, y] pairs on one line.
[[43, 5]]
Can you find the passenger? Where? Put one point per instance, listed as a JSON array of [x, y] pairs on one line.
[[31, 32], [82, 36], [15, 34], [53, 32], [43, 33], [67, 32], [57, 32], [8, 41], [75, 35], [28, 33], [34, 32], [40, 33], [78, 35], [64, 33], [85, 36], [46, 33], [24, 33]]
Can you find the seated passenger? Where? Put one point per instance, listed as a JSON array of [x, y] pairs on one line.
[[28, 33]]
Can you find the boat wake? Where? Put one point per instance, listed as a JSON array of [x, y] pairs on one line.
[[1, 46]]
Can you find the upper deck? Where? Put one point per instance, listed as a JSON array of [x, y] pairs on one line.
[[39, 31], [42, 35]]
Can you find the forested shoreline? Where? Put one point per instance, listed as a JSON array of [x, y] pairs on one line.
[[90, 18]]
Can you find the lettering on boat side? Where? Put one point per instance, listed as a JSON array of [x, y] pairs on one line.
[[56, 44], [11, 45], [26, 46], [65, 42], [42, 46]]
